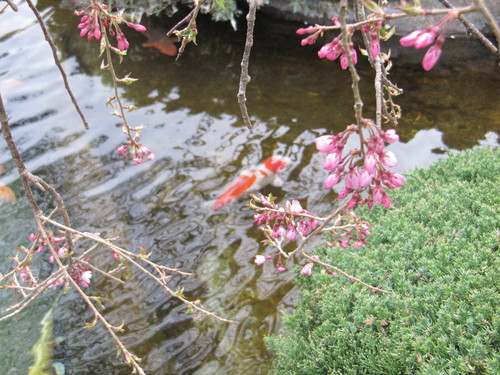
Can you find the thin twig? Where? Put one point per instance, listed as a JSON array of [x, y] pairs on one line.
[[244, 77], [471, 28], [130, 358], [18, 160], [12, 5], [178, 24], [48, 38], [491, 20], [352, 278]]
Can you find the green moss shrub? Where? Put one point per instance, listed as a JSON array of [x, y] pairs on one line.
[[436, 249]]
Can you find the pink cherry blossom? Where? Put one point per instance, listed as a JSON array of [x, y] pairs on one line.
[[307, 269], [364, 179], [344, 62], [374, 48], [390, 136], [343, 193], [426, 38], [370, 162], [56, 283], [432, 55], [260, 260], [332, 180], [326, 143], [409, 40], [86, 276], [389, 159], [331, 161]]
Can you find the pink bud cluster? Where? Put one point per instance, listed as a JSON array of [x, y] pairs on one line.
[[355, 229], [261, 259], [433, 35], [139, 152], [81, 275], [371, 175], [27, 277], [333, 50], [95, 17], [315, 31], [55, 241], [286, 221]]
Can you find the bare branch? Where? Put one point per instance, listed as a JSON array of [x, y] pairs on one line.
[[244, 77], [48, 38]]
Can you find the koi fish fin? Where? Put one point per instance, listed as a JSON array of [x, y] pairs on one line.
[[236, 189]]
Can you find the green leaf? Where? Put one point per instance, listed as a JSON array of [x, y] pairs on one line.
[[371, 5], [221, 3]]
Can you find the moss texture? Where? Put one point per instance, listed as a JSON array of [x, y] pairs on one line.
[[437, 250]]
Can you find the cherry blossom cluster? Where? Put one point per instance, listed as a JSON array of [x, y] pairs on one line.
[[26, 276], [285, 221], [55, 241], [138, 152], [372, 175], [333, 50], [432, 35], [81, 274], [353, 229], [95, 17]]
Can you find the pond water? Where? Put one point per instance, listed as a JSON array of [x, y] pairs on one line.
[[193, 125]]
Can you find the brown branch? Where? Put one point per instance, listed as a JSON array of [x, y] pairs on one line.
[[352, 278], [491, 20], [12, 5], [18, 160], [191, 27], [48, 38], [244, 77], [471, 28], [184, 20], [130, 358]]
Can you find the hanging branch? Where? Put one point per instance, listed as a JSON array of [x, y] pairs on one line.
[[49, 39], [471, 28], [244, 77], [11, 4], [491, 20], [189, 33]]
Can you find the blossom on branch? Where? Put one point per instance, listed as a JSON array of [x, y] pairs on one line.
[[96, 17], [432, 35], [371, 174]]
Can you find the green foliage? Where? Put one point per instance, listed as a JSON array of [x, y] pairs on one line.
[[437, 250], [224, 10]]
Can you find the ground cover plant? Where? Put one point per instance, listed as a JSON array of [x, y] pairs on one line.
[[436, 248]]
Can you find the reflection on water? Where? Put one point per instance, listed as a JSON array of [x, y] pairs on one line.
[[193, 126]]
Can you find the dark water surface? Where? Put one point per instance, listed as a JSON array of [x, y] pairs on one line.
[[194, 128]]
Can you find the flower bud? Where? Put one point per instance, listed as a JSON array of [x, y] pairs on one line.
[[409, 40], [390, 136]]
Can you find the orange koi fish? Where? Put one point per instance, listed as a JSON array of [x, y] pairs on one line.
[[6, 193], [252, 179], [159, 40]]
